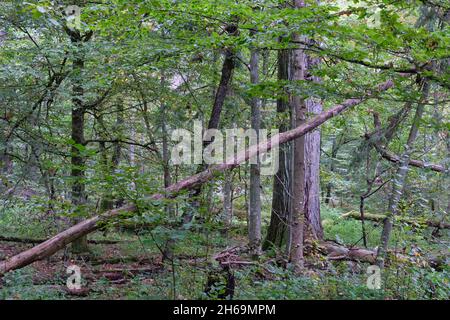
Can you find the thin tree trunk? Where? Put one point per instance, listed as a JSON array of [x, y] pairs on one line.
[[254, 221], [380, 218], [214, 120], [228, 200], [334, 151], [412, 162], [276, 233], [109, 167], [170, 243]]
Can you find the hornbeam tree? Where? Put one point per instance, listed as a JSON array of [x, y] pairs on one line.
[[118, 121]]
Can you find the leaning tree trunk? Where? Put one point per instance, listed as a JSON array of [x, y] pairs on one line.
[[85, 227], [276, 233], [398, 183]]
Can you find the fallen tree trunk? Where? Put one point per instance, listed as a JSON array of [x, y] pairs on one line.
[[36, 241], [414, 163], [380, 218], [337, 252], [85, 227]]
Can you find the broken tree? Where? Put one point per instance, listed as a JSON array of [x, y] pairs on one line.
[[85, 227]]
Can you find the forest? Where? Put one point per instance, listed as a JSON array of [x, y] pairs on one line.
[[224, 150]]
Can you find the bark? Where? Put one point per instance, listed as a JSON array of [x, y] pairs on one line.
[[77, 159], [85, 227], [165, 152], [329, 185], [400, 179], [228, 200], [254, 220], [170, 243], [109, 167], [413, 163], [334, 151], [222, 90], [276, 233], [37, 241], [305, 218], [337, 252], [219, 100], [409, 220], [115, 159], [299, 192], [5, 161]]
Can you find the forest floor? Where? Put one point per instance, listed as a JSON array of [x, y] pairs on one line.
[[133, 269]]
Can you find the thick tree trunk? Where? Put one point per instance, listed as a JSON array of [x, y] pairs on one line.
[[83, 228], [214, 120], [37, 241], [254, 219]]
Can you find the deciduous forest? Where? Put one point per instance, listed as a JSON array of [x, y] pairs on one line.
[[224, 149]]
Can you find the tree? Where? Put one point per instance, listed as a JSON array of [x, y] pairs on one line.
[[77, 134], [254, 223], [276, 234]]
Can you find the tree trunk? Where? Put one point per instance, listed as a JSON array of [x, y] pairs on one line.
[[85, 227], [109, 167], [299, 193], [254, 219], [80, 245], [276, 233], [219, 100], [410, 220], [334, 152], [305, 218], [170, 243], [228, 201], [398, 182], [412, 162]]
